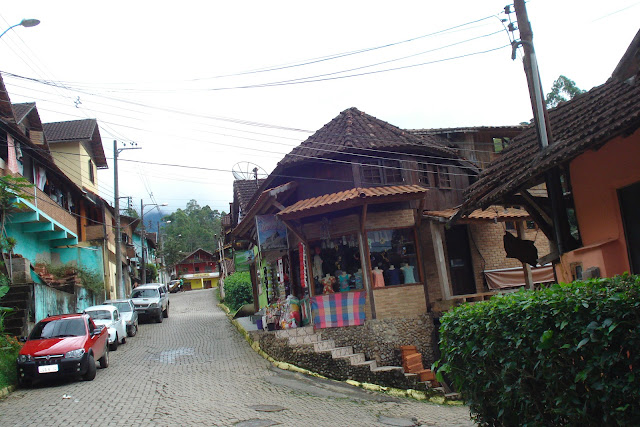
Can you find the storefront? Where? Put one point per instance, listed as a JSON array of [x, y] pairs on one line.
[[360, 254]]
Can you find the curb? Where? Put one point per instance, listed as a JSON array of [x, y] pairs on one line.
[[6, 391], [395, 392]]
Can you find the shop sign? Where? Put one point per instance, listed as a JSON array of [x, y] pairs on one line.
[[242, 260], [272, 233]]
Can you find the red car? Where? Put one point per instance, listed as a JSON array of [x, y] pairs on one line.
[[64, 345]]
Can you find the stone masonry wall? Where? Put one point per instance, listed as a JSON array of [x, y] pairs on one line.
[[380, 339]]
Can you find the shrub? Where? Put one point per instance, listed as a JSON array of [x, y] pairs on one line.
[[238, 290], [565, 355], [9, 348]]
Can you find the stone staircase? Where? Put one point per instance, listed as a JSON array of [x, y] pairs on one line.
[[17, 322], [306, 336]]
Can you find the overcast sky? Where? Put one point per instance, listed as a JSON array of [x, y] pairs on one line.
[[201, 86]]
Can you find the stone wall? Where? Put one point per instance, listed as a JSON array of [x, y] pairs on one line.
[[340, 369], [380, 339]]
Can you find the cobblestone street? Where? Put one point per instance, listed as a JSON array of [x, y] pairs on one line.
[[196, 369]]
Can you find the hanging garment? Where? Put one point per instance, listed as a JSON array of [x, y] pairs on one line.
[[12, 162], [327, 284], [407, 270], [378, 278], [523, 250], [358, 278]]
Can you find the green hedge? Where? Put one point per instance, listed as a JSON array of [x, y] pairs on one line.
[[238, 290], [565, 355]]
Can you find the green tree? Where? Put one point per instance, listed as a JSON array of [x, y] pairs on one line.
[[190, 228], [563, 89]]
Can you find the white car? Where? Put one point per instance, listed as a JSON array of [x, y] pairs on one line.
[[128, 313], [109, 316]]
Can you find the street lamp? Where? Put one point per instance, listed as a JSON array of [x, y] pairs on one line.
[[24, 23], [143, 279]]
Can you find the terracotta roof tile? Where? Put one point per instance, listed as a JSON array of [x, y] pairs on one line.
[[355, 131], [244, 190], [492, 213], [78, 130], [585, 123], [350, 198]]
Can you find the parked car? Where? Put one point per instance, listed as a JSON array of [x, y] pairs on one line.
[[175, 286], [109, 316], [151, 300], [64, 345], [128, 313]]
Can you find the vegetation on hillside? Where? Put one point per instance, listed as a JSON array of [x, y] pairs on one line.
[[192, 228]]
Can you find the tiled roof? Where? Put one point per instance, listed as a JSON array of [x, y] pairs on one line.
[[492, 213], [21, 110], [351, 198], [355, 131], [585, 123], [6, 112], [467, 129], [78, 130], [73, 130], [244, 190]]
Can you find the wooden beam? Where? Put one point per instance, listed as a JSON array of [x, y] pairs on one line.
[[441, 261], [363, 218], [528, 277], [366, 270], [531, 202]]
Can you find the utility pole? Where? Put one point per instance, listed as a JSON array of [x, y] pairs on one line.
[[143, 273], [118, 239], [543, 127]]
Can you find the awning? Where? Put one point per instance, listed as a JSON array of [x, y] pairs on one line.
[[352, 198], [506, 278]]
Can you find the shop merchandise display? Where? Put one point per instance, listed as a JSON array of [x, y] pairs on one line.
[[394, 276], [343, 280], [358, 279], [378, 278], [407, 271], [327, 284]]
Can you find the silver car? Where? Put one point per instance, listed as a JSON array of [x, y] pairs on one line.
[[128, 313]]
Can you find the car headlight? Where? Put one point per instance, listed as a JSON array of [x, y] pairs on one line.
[[153, 305], [23, 358], [74, 354]]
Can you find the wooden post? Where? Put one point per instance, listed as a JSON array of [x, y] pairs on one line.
[[441, 261], [528, 277]]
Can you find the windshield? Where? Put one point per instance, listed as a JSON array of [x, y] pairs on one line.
[[99, 314], [58, 328], [122, 307], [144, 293]]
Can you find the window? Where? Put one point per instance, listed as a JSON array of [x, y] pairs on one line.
[[335, 264], [500, 144], [444, 177], [197, 269], [381, 172], [436, 176], [91, 173], [393, 257]]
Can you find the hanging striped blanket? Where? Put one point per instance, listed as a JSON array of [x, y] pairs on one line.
[[338, 309]]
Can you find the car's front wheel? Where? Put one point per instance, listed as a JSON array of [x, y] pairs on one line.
[[133, 330], [24, 382], [159, 318], [104, 360], [91, 369], [114, 345], [165, 313]]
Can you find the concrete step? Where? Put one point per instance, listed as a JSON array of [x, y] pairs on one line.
[[387, 369], [325, 345], [295, 332], [341, 352], [304, 339], [356, 358], [371, 364]]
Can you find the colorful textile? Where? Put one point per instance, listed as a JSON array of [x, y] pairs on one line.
[[337, 310], [305, 308]]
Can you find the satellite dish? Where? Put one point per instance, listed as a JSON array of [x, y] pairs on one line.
[[248, 170]]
